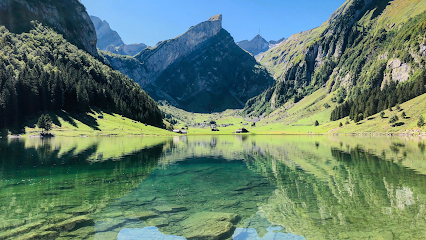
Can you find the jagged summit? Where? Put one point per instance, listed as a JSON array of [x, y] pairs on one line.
[[216, 18], [202, 70], [255, 46]]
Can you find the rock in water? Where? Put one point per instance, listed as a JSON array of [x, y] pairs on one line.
[[209, 225]]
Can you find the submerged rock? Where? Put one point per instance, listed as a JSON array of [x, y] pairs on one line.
[[157, 222], [209, 225], [170, 208], [21, 230]]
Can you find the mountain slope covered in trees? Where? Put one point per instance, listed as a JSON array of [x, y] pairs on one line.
[[365, 45], [41, 71]]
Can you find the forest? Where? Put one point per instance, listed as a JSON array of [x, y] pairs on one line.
[[41, 72]]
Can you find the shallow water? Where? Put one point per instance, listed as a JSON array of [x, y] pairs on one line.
[[213, 187]]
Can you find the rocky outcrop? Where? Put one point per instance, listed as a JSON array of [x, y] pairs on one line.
[[202, 70], [125, 49], [158, 58], [68, 18], [109, 40], [106, 36]]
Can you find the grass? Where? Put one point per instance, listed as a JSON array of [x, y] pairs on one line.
[[77, 125]]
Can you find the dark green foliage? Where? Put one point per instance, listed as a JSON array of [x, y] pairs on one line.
[[382, 114], [398, 107], [403, 115], [340, 124], [40, 71], [393, 119], [347, 122], [375, 100], [316, 123], [326, 105], [421, 121], [45, 123], [358, 117]]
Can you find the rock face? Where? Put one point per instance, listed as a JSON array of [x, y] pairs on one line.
[[68, 18], [258, 45], [255, 46], [106, 36], [125, 49], [109, 40], [202, 70]]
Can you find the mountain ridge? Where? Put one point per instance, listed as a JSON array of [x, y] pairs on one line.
[[151, 68]]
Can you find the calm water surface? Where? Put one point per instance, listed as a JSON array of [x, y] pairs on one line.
[[213, 187]]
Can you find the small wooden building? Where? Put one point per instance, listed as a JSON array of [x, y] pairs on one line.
[[180, 131], [242, 130]]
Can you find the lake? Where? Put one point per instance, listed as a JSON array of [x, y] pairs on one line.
[[213, 187]]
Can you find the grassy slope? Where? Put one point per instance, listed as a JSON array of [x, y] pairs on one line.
[[90, 125]]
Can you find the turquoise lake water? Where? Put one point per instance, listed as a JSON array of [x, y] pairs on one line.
[[213, 187]]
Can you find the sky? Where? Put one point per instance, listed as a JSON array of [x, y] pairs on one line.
[[142, 21]]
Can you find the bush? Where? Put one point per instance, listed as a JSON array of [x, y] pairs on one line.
[[393, 119], [316, 123], [421, 121], [403, 115], [340, 124], [382, 114], [326, 105]]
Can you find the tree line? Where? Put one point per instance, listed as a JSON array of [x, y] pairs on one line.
[[375, 100], [40, 71]]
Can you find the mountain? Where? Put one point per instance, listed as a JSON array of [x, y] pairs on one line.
[[258, 45], [255, 46], [68, 18], [364, 46], [109, 39], [106, 36], [42, 71], [203, 70]]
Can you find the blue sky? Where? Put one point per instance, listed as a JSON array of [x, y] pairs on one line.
[[141, 21]]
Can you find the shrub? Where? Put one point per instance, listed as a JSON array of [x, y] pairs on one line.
[[393, 119], [340, 124], [421, 121], [326, 105], [382, 114], [403, 115], [316, 123]]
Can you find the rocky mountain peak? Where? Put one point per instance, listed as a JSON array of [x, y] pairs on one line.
[[216, 18], [255, 46], [106, 36]]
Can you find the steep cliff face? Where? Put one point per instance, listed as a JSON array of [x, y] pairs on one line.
[[202, 70], [158, 58], [106, 36], [65, 17], [350, 50]]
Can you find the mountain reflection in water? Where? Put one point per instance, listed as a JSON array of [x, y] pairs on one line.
[[220, 187]]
